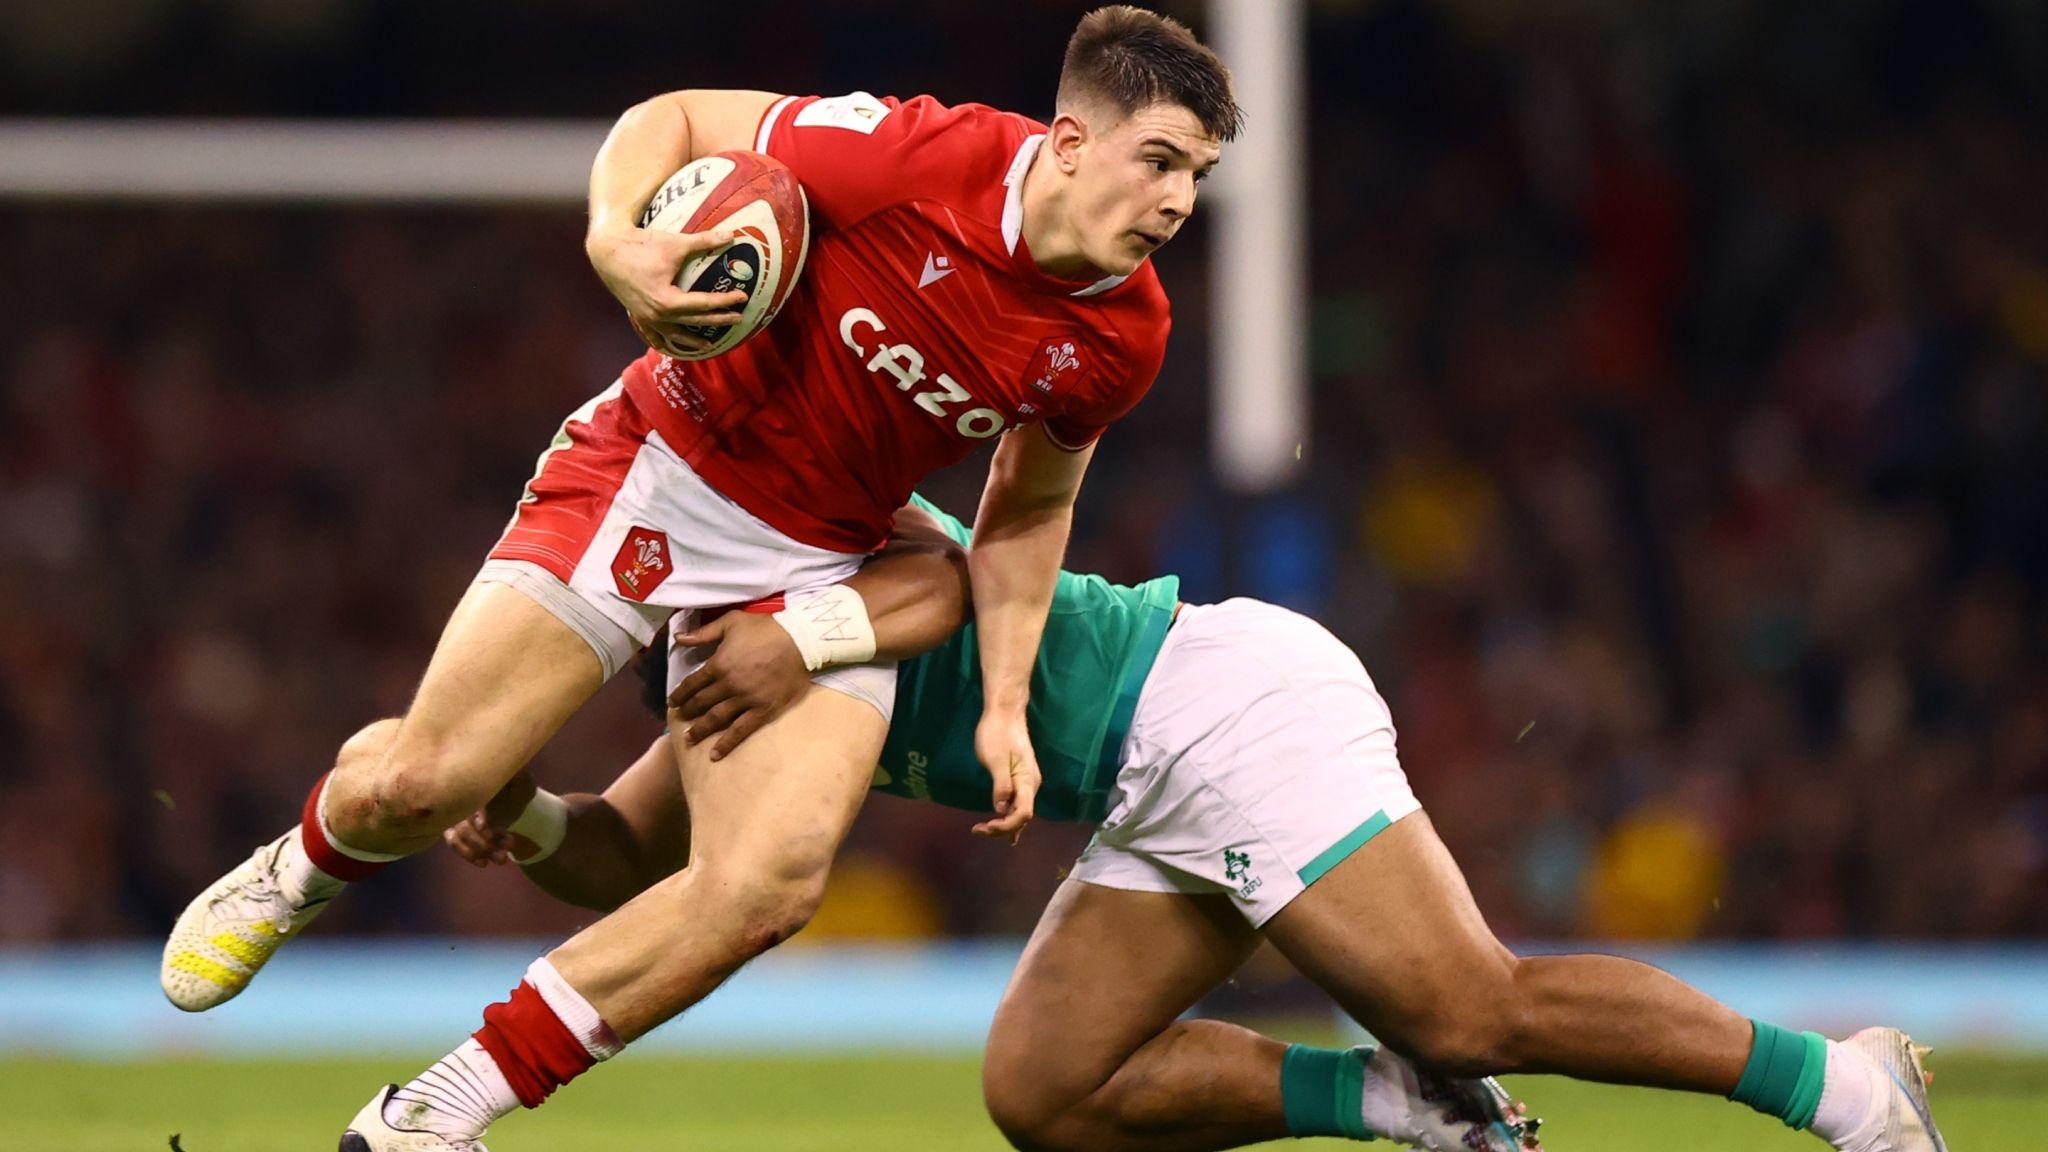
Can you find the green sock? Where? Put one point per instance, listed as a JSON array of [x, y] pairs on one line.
[[1321, 1091], [1784, 1074]]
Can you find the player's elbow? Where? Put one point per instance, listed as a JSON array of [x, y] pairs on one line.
[[940, 548], [674, 103], [959, 586], [623, 861], [948, 584], [588, 873], [577, 891]]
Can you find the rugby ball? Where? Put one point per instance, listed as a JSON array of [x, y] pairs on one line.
[[758, 198]]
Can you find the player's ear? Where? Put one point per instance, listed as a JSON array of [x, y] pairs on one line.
[[1069, 132]]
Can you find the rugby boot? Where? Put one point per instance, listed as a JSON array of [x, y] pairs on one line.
[[1908, 1118], [228, 932], [1445, 1114], [371, 1132]]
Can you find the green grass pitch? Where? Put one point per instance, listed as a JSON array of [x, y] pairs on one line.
[[883, 1103]]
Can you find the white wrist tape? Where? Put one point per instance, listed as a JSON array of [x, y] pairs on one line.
[[830, 626], [545, 822]]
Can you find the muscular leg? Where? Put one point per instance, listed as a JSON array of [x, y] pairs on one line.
[[1392, 933], [1085, 1051], [504, 677], [765, 823]]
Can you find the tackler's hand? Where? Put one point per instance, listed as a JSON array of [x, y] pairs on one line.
[[1003, 743], [483, 839], [753, 675]]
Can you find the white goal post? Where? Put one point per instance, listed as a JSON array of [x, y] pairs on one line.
[[423, 161]]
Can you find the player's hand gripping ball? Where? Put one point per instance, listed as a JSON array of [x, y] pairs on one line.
[[758, 200]]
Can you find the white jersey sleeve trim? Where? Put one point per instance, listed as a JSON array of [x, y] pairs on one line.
[[768, 119], [1061, 444]]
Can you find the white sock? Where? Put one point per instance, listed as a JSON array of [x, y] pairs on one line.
[[458, 1098], [302, 880], [578, 1015], [327, 830], [1852, 1097]]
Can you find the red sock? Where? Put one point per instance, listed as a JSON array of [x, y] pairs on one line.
[[321, 848], [531, 1043]]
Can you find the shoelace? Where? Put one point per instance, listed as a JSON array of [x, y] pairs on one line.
[[262, 889], [1478, 1104]]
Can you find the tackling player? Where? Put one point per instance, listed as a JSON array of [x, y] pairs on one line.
[[1243, 770], [973, 273]]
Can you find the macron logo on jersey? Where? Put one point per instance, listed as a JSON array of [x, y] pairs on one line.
[[936, 268]]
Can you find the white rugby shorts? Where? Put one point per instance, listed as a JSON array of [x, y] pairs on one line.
[[616, 533], [1259, 758], [873, 683]]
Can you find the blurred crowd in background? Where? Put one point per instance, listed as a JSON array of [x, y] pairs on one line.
[[1679, 466]]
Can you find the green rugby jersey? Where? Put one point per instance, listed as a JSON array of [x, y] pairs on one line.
[[1099, 644]]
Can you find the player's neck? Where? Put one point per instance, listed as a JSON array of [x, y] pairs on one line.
[[1054, 244]]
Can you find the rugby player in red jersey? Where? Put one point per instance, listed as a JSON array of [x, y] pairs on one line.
[[973, 273]]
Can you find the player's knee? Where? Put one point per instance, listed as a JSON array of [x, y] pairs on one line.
[[362, 751], [1053, 1130], [795, 902], [780, 918], [1456, 1048], [1472, 1033], [1002, 1089], [775, 905], [1024, 1117], [416, 788], [1030, 1112]]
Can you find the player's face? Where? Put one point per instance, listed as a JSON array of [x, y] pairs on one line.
[[1134, 186]]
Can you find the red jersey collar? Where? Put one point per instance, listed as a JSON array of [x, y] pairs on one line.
[[1013, 230]]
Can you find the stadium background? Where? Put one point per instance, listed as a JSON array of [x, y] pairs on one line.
[[1678, 465]]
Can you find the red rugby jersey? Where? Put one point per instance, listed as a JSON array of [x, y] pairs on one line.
[[920, 328]]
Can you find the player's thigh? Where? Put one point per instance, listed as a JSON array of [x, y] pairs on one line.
[[1105, 971], [777, 806], [504, 676], [1392, 933]]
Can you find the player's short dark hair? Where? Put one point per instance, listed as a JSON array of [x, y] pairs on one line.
[[1130, 58]]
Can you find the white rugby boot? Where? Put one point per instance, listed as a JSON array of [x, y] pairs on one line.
[[228, 932], [370, 1132], [1443, 1114], [1905, 1118]]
